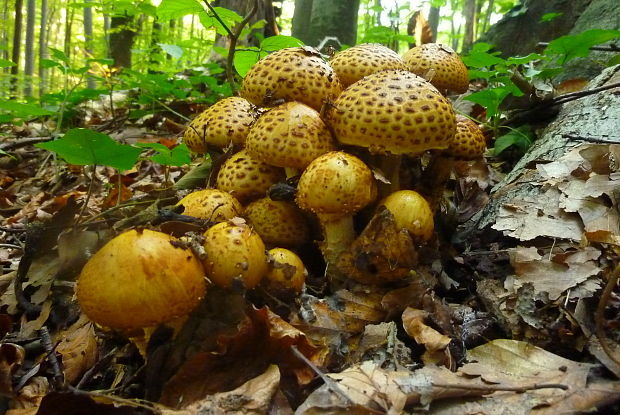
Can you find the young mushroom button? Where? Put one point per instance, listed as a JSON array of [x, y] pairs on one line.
[[335, 186]]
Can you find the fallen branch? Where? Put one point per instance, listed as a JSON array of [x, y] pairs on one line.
[[610, 48]]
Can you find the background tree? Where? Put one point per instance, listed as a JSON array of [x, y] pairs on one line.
[[121, 40], [88, 39], [327, 18], [43, 47], [470, 21], [31, 12], [17, 43]]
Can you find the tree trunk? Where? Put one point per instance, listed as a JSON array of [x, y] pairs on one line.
[[154, 50], [88, 39], [31, 10], [121, 41], [42, 47], [332, 18], [487, 17], [17, 41], [433, 21], [470, 21], [68, 28], [301, 19], [4, 42]]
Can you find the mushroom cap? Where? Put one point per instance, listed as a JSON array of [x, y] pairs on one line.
[[226, 121], [287, 271], [140, 279], [291, 74], [412, 212], [211, 204], [439, 63], [234, 252], [468, 143], [354, 63], [393, 112], [289, 135], [336, 184], [278, 223], [247, 178]]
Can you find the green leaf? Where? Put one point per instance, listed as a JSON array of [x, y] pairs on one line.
[[178, 156], [522, 60], [82, 147], [172, 50], [489, 99], [24, 110], [614, 60], [481, 47], [172, 9], [274, 43], [196, 177], [547, 17], [4, 153], [59, 55], [229, 17], [521, 138], [5, 63], [574, 46], [482, 60], [245, 59]]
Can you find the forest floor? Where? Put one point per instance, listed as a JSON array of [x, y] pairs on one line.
[[484, 324]]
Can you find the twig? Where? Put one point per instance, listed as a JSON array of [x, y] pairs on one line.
[[134, 403], [89, 373], [495, 388], [219, 19], [88, 194], [599, 317], [24, 142], [10, 246], [50, 350], [592, 139], [560, 99], [610, 48]]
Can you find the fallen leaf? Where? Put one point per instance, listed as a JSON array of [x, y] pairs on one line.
[[11, 358], [431, 339], [78, 347]]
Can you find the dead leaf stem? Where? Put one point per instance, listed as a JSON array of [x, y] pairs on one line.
[[498, 388], [599, 317]]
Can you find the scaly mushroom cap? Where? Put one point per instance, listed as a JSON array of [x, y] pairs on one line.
[[211, 204], [289, 135], [140, 279], [439, 64], [468, 142], [336, 184], [291, 74], [278, 223], [246, 178], [226, 121], [286, 273], [354, 63], [234, 252], [412, 212], [393, 112]]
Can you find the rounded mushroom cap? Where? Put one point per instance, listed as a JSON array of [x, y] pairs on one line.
[[291, 74], [412, 212], [468, 142], [354, 63], [440, 64], [336, 184], [287, 271], [393, 112], [140, 279], [289, 135], [246, 178], [211, 204], [234, 252], [278, 223], [226, 121]]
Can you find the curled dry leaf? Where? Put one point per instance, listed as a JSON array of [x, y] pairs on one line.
[[78, 347], [433, 341], [28, 399], [11, 358]]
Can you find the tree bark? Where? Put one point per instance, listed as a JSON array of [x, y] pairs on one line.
[[68, 29], [88, 40], [301, 19], [121, 41], [433, 21], [4, 42], [31, 10], [332, 18], [470, 21], [17, 41], [43, 47]]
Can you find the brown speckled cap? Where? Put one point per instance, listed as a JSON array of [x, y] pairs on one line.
[[246, 178], [440, 64], [211, 204], [354, 63], [337, 184], [468, 142], [393, 112], [291, 74], [278, 223], [289, 135], [226, 121]]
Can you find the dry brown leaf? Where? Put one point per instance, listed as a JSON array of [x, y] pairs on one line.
[[78, 347], [253, 397], [380, 343], [29, 397], [11, 358], [431, 339]]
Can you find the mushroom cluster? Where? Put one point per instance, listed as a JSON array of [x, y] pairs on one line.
[[329, 126]]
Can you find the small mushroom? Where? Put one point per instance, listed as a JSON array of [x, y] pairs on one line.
[[286, 275], [412, 212], [211, 204], [335, 186], [278, 223], [440, 65], [247, 178], [234, 252], [359, 61]]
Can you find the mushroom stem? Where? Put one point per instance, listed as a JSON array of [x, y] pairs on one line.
[[390, 166], [291, 172], [436, 177], [338, 234]]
